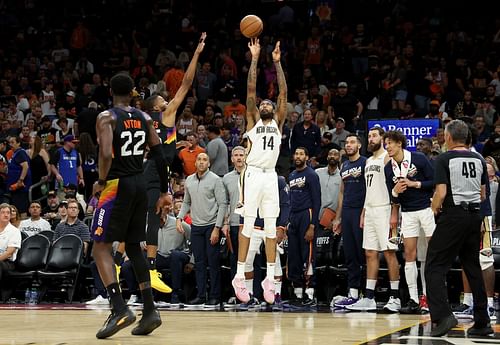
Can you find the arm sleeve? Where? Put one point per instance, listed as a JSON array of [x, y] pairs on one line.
[[428, 183], [315, 189], [284, 203], [220, 197], [388, 181]]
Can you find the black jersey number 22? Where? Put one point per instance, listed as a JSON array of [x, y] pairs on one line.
[[469, 169]]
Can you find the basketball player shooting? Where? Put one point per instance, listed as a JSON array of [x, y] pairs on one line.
[[259, 182]]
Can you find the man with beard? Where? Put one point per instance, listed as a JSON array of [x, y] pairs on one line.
[[410, 178], [329, 179], [163, 115], [260, 182], [305, 203], [350, 205], [377, 228]]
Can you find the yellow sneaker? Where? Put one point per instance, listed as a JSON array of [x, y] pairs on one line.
[[157, 283]]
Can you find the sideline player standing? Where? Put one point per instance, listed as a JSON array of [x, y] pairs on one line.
[[163, 115], [260, 181], [410, 178], [375, 221], [305, 203], [460, 187], [123, 133], [350, 205]]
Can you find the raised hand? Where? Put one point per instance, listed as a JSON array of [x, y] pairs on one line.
[[254, 46], [277, 52], [201, 43]]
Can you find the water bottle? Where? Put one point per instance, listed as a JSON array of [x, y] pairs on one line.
[[27, 296], [34, 297]]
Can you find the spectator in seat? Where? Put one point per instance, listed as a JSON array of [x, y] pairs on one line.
[[35, 223], [73, 225], [10, 241], [15, 217]]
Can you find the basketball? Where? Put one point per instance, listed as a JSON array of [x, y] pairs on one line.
[[251, 26]]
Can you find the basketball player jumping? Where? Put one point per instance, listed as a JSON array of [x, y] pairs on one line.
[[259, 183]]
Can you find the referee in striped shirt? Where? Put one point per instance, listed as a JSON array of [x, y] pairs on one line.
[[460, 177]]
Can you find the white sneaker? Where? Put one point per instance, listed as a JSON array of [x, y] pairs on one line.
[[364, 304], [393, 305], [335, 299], [99, 300], [133, 300]]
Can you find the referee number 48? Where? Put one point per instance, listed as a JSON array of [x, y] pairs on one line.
[[469, 169]]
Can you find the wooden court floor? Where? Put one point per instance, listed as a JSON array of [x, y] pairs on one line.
[[73, 324]]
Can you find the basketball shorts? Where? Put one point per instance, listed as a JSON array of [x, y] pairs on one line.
[[121, 211], [377, 229], [260, 192], [413, 221], [256, 240], [486, 261]]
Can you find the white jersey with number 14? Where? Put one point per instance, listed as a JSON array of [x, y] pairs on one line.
[[265, 143]]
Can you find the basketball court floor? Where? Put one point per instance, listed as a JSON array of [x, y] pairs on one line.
[[77, 324]]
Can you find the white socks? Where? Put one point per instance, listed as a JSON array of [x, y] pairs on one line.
[[354, 293], [270, 271], [240, 270], [411, 274], [468, 300], [422, 278]]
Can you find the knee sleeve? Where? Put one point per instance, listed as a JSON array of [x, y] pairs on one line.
[[270, 227], [249, 261], [139, 263], [248, 225]]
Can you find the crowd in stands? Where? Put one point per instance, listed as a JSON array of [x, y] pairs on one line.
[[342, 68]]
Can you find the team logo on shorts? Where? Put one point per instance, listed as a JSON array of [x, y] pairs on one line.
[[98, 231]]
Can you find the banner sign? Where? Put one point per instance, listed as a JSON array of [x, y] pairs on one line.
[[413, 129]]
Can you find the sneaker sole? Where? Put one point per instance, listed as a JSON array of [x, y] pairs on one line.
[[151, 327], [126, 323]]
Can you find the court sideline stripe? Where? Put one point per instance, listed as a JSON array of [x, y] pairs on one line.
[[391, 332]]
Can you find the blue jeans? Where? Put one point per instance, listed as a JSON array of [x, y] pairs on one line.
[[175, 262], [204, 253]]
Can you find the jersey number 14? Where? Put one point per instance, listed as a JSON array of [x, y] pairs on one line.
[[268, 143]]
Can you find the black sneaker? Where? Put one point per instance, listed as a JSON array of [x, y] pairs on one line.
[[212, 303], [197, 301], [116, 322], [148, 323], [480, 330], [460, 308], [444, 326], [411, 307]]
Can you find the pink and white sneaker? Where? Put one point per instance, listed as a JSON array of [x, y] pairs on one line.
[[240, 290], [269, 290]]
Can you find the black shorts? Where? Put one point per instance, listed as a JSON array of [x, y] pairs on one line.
[[121, 211]]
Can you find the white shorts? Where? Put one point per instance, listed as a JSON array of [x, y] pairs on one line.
[[260, 192], [258, 237], [376, 231], [412, 222]]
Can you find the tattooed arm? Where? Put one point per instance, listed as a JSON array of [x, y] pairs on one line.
[[252, 112], [282, 97]]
